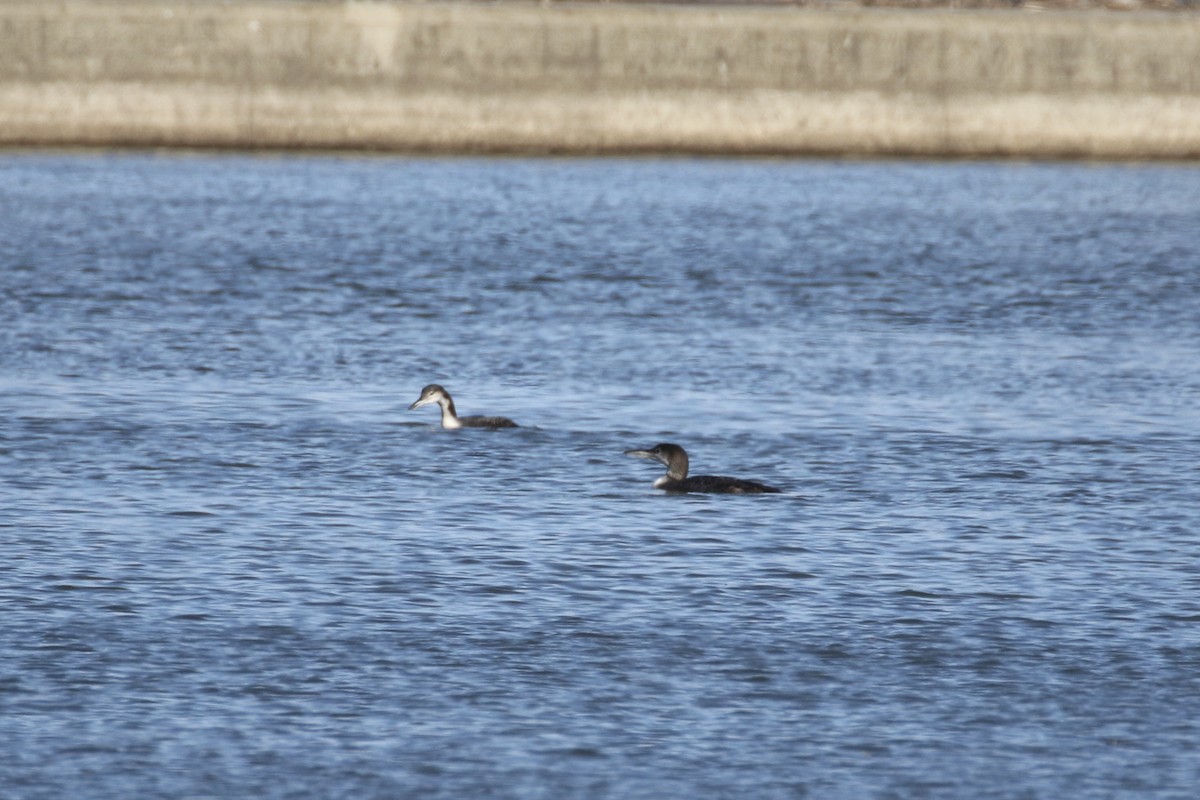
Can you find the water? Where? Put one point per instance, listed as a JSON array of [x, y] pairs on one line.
[[236, 566]]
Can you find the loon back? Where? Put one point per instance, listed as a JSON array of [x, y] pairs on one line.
[[675, 459], [487, 422], [718, 484]]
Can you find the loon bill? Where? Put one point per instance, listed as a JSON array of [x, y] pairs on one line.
[[434, 393], [675, 459]]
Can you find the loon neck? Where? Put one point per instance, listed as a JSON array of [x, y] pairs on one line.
[[449, 416], [677, 469]]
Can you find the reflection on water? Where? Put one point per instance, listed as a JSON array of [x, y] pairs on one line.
[[236, 565]]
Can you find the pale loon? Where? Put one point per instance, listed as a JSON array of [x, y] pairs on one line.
[[450, 419], [675, 459]]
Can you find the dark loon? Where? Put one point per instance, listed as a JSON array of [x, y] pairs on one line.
[[675, 459], [450, 419]]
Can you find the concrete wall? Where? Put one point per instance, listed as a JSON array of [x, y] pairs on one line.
[[598, 78]]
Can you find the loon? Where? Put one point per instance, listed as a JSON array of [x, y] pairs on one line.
[[675, 459], [450, 419]]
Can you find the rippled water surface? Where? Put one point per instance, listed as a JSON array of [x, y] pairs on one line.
[[235, 565]]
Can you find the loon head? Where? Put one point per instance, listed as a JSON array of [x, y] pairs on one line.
[[433, 393], [671, 456]]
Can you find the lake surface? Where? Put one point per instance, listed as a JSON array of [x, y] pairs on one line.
[[235, 565]]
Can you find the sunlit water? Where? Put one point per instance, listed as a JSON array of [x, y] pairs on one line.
[[234, 565]]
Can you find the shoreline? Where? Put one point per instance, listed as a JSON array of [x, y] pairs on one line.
[[599, 79]]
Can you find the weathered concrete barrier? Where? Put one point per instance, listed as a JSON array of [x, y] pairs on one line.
[[598, 78]]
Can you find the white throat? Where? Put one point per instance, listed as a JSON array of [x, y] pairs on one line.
[[449, 419]]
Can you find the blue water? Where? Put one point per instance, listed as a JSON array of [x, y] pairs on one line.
[[235, 565]]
